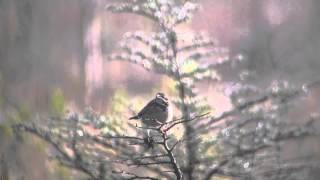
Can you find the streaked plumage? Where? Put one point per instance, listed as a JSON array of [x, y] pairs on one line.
[[155, 112]]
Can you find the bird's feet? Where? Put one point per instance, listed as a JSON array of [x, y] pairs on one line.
[[149, 142]]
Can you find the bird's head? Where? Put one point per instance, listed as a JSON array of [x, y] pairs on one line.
[[160, 97]]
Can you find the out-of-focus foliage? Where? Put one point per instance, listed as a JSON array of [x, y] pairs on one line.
[[114, 120], [57, 102], [247, 142], [6, 130], [37, 49], [165, 52], [23, 113], [63, 173], [190, 66]]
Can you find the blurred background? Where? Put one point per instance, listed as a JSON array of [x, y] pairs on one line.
[[52, 60]]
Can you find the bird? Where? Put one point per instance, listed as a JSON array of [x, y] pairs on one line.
[[155, 113]]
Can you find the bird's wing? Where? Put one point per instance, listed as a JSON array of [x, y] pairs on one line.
[[146, 107]]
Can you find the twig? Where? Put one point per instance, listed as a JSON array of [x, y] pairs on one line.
[[42, 134], [284, 135], [133, 176], [173, 161], [205, 127]]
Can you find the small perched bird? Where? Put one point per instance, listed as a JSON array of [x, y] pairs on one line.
[[155, 112]]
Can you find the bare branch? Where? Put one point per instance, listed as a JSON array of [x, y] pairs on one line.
[[133, 176]]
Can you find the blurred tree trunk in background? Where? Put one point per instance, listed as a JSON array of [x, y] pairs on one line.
[[259, 53], [42, 48], [43, 37], [4, 173]]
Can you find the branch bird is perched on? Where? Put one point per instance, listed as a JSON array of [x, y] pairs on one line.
[[155, 112]]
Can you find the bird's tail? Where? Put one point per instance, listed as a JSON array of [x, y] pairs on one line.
[[134, 117]]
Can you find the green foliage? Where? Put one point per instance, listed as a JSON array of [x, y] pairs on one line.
[[6, 130], [119, 102], [40, 145], [181, 64], [21, 114], [24, 113], [57, 103], [189, 66], [207, 149], [63, 173], [110, 123], [113, 121]]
